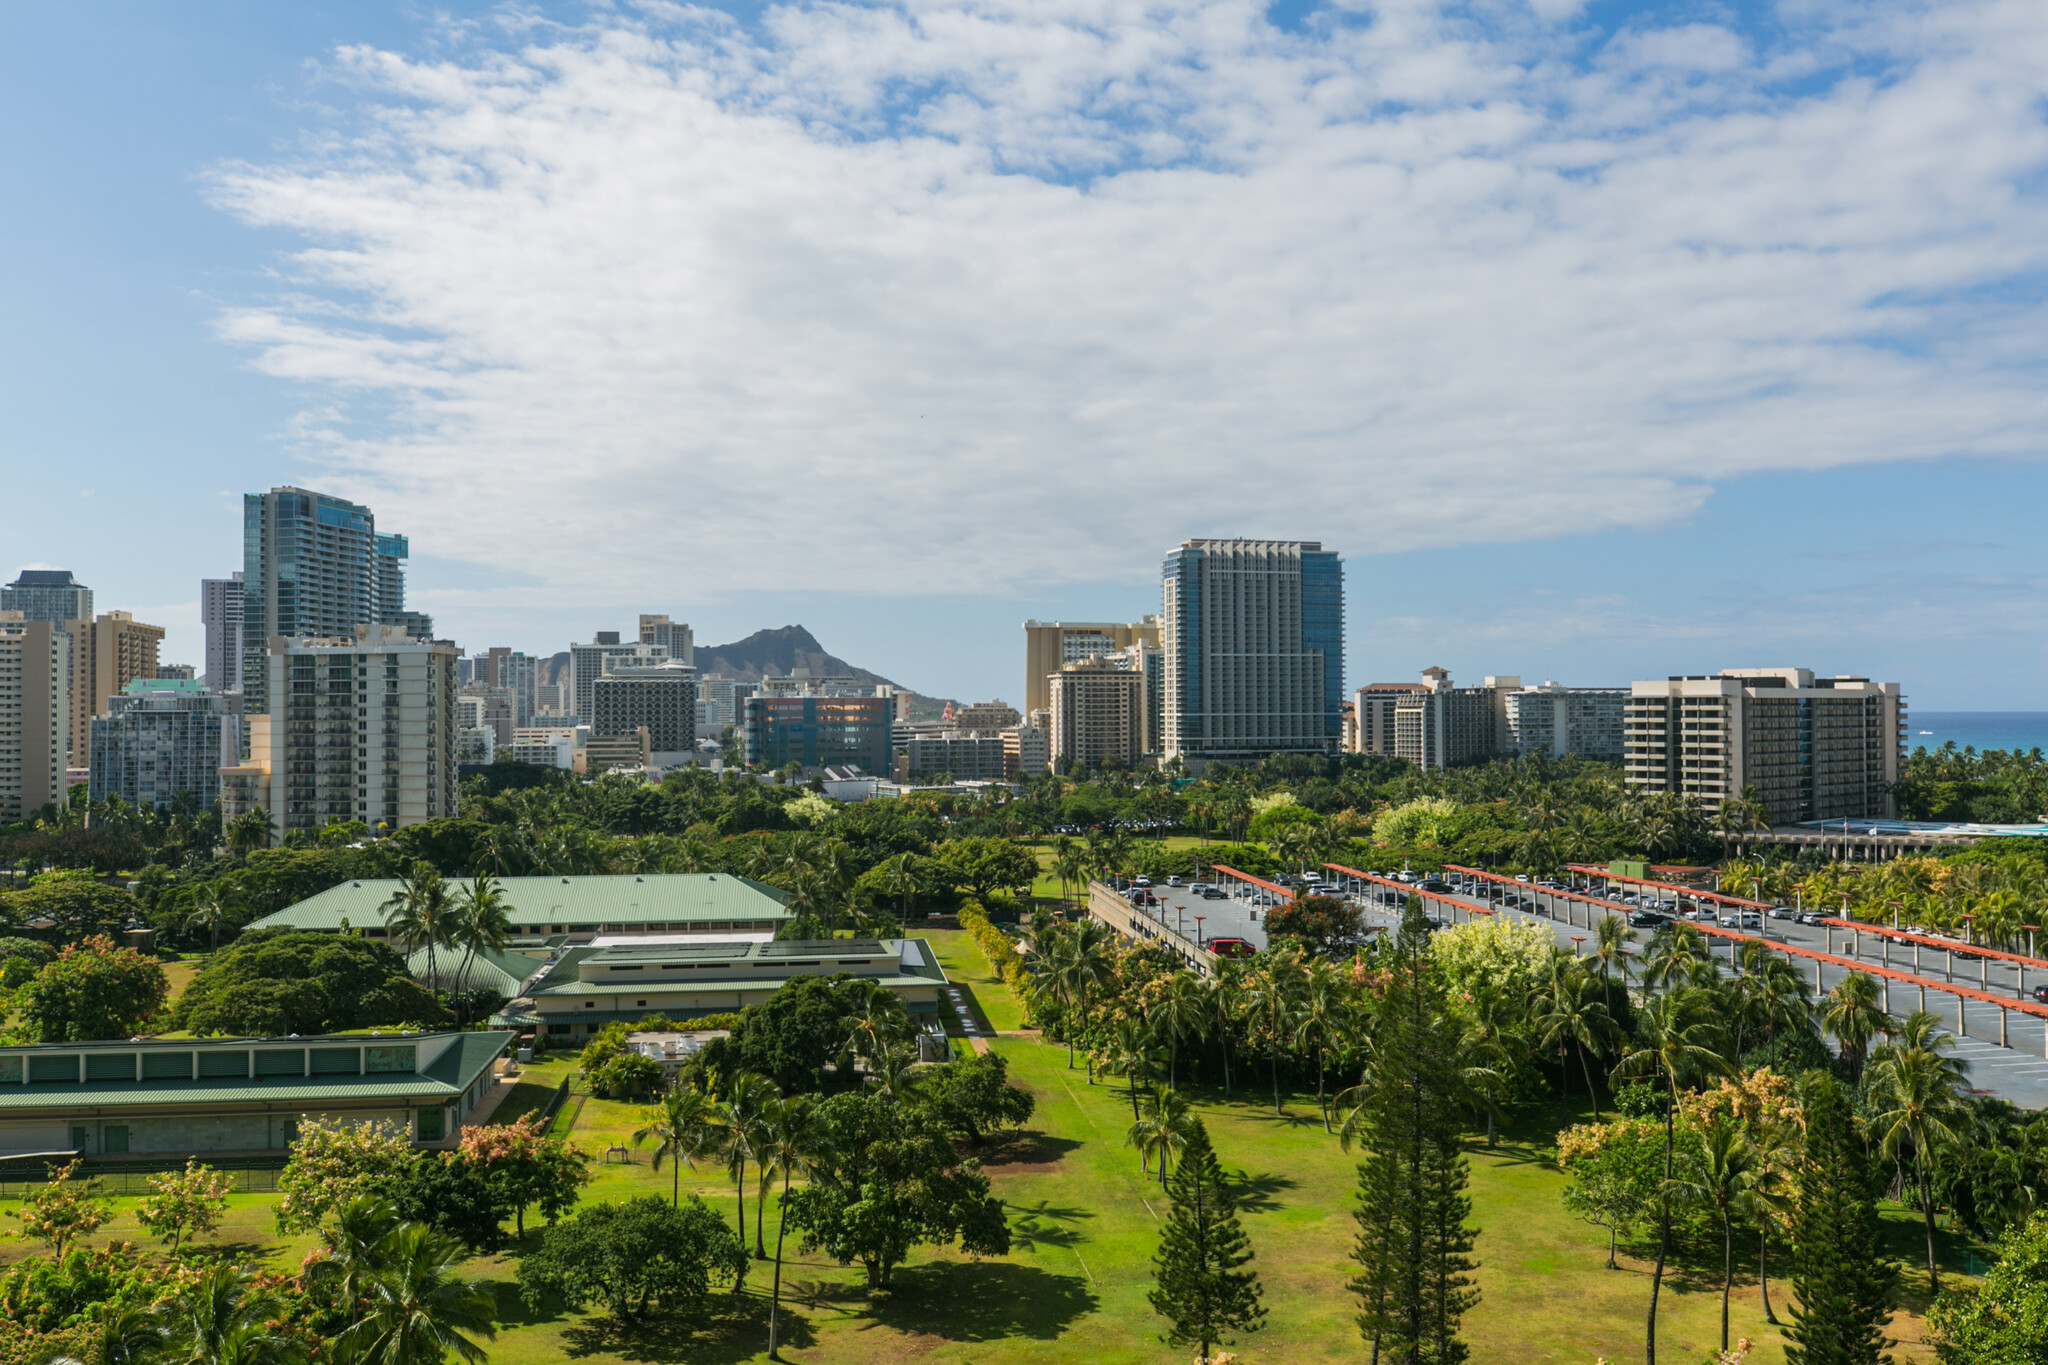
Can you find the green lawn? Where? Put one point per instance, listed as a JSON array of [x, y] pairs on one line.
[[1085, 1224]]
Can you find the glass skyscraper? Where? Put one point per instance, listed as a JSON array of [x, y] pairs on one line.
[[312, 565], [47, 595], [1252, 634]]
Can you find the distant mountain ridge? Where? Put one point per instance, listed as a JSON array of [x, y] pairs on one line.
[[777, 654]]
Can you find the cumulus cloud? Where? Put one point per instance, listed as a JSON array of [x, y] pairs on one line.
[[960, 295]]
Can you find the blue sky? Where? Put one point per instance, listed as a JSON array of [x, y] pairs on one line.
[[1607, 341]]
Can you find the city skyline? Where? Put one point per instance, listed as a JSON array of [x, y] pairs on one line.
[[1639, 462]]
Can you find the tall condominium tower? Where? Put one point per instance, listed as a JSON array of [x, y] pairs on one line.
[[1253, 637], [47, 595], [1050, 646], [312, 565], [220, 611], [674, 636], [35, 716]]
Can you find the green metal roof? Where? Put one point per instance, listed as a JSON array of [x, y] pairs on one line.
[[450, 1074], [534, 903], [767, 954], [504, 972], [755, 968]]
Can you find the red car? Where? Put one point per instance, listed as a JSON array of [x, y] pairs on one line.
[[1230, 947]]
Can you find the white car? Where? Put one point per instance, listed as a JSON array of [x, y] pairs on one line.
[[1779, 912], [1173, 881]]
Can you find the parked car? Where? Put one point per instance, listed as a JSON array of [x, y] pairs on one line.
[[1779, 912], [2041, 994], [1432, 884], [1141, 881], [1230, 947], [1173, 881], [1434, 921], [1807, 917], [1647, 919], [1730, 920], [1752, 919]]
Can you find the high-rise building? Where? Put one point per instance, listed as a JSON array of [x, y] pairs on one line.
[[1373, 715], [1553, 720], [107, 653], [1812, 748], [658, 698], [356, 727], [47, 595], [1147, 660], [313, 566], [1050, 646], [728, 698], [1097, 715], [35, 715], [159, 740], [986, 718], [1436, 724], [1253, 637], [956, 756], [819, 731], [1025, 751], [588, 662], [673, 636]]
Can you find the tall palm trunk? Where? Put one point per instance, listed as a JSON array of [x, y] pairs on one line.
[[1927, 1215], [740, 1188], [1592, 1091], [1663, 1229], [1727, 1273], [775, 1298], [1763, 1279]]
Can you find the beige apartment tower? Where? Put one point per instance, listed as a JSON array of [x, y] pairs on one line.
[[107, 653], [1098, 715], [1812, 748], [1050, 646], [35, 715]]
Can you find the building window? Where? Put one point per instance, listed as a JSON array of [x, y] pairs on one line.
[[115, 1138]]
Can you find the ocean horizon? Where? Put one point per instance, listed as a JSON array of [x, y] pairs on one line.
[[1979, 730]]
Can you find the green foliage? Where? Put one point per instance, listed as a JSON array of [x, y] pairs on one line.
[[1413, 1247], [94, 990], [1200, 1285], [444, 1191], [973, 1096], [1267, 825], [1845, 1286], [793, 1035], [885, 1178], [47, 1295], [184, 1203], [2004, 1320], [982, 866], [334, 1162], [1617, 1173], [1509, 956], [274, 879], [527, 1167], [35, 954], [628, 1076], [1322, 925], [75, 908], [283, 982], [64, 1209], [1425, 820], [632, 1256]]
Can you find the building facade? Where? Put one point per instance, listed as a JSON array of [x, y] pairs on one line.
[[35, 716], [107, 653], [662, 698], [1811, 748], [1097, 716], [313, 566], [1553, 720], [1373, 715], [360, 727], [1252, 633], [587, 663], [986, 718], [673, 636], [160, 740], [968, 758], [47, 595], [819, 731], [1027, 747], [1437, 724], [1050, 646]]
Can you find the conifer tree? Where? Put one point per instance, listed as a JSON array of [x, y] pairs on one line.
[[1845, 1286], [1413, 1246], [1202, 1288]]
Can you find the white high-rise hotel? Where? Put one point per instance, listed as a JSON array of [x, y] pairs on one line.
[[1253, 637]]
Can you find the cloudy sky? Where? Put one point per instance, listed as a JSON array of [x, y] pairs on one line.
[[1607, 340]]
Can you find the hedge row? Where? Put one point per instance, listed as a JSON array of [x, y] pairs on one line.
[[996, 946]]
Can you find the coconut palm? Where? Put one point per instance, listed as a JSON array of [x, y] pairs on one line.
[[418, 1310], [1323, 1011], [894, 1072], [787, 1144], [1180, 1010], [1567, 1015], [1716, 1178], [1084, 969], [421, 914], [1914, 1090], [212, 908], [1133, 1053], [899, 879], [687, 1126], [739, 1114], [1611, 937], [1162, 1131], [133, 1334], [1273, 993], [1676, 1034], [1851, 1012], [251, 830], [481, 922], [1220, 999], [223, 1319]]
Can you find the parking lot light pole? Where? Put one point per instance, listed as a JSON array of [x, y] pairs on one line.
[[1198, 929]]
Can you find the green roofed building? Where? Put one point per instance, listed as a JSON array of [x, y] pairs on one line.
[[543, 907], [588, 987], [164, 1098]]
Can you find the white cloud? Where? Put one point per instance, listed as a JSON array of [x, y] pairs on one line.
[[953, 295]]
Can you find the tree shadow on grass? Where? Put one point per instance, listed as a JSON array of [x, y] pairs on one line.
[[728, 1328], [1025, 1151], [1293, 1118], [1255, 1193], [1038, 1226], [982, 1301]]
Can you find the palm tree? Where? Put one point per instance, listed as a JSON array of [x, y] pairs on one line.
[[418, 914], [1716, 1178], [212, 906], [739, 1114], [222, 1319], [1676, 1034], [349, 1258], [481, 923], [1132, 1053], [1180, 1009], [1220, 994], [1851, 1012], [894, 1072], [1915, 1089], [1083, 969], [687, 1127], [1325, 1008], [1781, 996], [1611, 937], [251, 830], [1766, 1192], [1566, 1015], [1674, 951], [899, 880], [133, 1334], [1163, 1130], [418, 1311], [1273, 992], [786, 1138]]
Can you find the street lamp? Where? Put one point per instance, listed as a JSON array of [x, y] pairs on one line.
[[1198, 929]]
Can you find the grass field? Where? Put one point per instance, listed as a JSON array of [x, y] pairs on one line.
[[1085, 1223]]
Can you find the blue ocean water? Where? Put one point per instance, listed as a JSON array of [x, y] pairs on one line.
[[2021, 730]]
